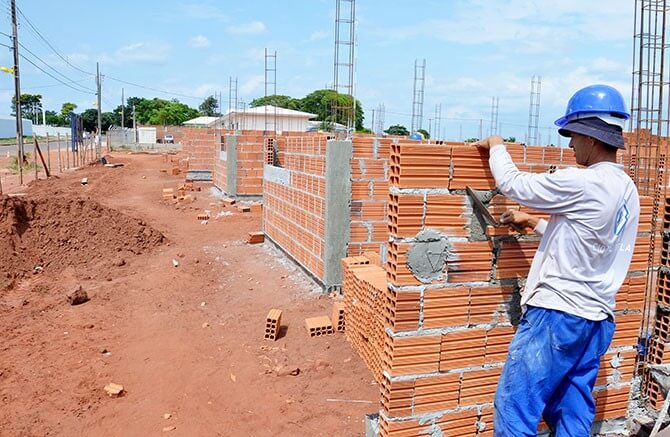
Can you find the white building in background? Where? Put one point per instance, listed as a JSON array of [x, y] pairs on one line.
[[279, 119], [8, 127], [201, 122]]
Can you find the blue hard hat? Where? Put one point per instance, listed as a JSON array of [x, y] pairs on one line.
[[416, 136], [595, 101]]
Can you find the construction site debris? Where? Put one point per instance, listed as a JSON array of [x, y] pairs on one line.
[[288, 371], [203, 216], [318, 326], [77, 296], [338, 315], [166, 416], [175, 171], [114, 390], [228, 201], [84, 181], [169, 428], [273, 324], [175, 263], [244, 208], [256, 237], [168, 193]]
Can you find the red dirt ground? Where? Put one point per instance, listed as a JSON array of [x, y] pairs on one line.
[[184, 340]]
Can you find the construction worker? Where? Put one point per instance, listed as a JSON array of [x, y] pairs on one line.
[[583, 257]]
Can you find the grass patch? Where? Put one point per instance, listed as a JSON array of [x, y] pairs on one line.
[[30, 166]]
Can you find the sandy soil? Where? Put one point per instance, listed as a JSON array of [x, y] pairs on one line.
[[185, 341]]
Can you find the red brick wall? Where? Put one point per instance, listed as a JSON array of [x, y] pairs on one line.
[[293, 214], [201, 146], [444, 343], [369, 194], [250, 161], [220, 173]]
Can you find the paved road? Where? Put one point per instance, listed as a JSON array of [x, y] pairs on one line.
[[28, 147]]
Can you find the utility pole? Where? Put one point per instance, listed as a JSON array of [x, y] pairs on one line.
[[134, 124], [123, 107], [98, 138], [17, 91]]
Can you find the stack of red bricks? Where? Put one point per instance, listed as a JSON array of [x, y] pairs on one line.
[[293, 213], [365, 308], [446, 341]]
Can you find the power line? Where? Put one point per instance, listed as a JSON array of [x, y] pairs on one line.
[[152, 89], [43, 86], [51, 46], [70, 80], [53, 77]]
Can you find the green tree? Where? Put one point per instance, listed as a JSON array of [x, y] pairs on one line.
[[89, 119], [397, 129], [173, 113], [209, 107], [31, 105], [66, 109], [53, 118], [322, 103], [277, 100], [425, 133], [510, 140]]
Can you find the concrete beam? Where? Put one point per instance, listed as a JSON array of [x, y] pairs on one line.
[[231, 165], [338, 210]]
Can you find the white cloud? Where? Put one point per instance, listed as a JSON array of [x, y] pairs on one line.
[[247, 28], [252, 84], [199, 42], [318, 35], [139, 52]]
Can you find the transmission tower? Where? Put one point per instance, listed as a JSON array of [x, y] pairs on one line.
[[379, 120], [438, 116], [493, 129], [417, 97], [271, 86], [534, 111], [343, 65]]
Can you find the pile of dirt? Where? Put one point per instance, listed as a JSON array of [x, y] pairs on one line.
[[48, 234]]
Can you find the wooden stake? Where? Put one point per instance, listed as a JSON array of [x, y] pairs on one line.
[[60, 165], [46, 169]]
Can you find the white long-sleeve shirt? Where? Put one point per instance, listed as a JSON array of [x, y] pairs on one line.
[[588, 242]]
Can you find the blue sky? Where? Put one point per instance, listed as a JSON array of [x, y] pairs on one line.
[[474, 50]]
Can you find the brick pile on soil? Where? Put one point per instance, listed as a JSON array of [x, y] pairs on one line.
[[51, 233]]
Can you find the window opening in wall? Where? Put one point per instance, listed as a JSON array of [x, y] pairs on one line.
[[222, 146]]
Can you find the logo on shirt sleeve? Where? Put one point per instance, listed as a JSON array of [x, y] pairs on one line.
[[621, 219]]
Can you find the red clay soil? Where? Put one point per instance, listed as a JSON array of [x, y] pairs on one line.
[[184, 341], [53, 233]]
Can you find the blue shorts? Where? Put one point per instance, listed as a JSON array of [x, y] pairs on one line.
[[550, 372]]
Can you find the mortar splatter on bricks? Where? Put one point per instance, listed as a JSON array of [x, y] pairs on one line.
[[281, 268]]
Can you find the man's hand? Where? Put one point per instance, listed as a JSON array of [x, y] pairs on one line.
[[520, 221], [489, 142]]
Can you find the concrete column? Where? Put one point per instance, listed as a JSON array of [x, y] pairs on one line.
[[337, 211], [231, 165]]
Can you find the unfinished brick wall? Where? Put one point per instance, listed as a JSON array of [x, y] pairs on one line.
[[369, 194], [294, 202], [201, 146], [250, 161], [445, 340]]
